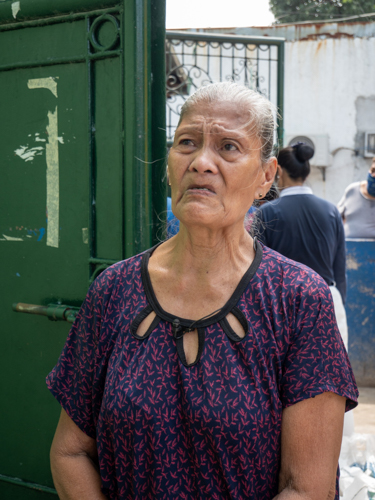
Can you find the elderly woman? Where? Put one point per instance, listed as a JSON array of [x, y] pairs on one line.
[[208, 367]]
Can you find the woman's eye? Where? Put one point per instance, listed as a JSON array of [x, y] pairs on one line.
[[230, 147], [186, 142]]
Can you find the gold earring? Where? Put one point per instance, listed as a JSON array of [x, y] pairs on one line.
[[260, 195]]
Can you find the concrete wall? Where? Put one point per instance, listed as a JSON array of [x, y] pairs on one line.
[[330, 89]]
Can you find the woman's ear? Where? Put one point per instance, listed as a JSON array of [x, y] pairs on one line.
[[269, 172], [279, 176]]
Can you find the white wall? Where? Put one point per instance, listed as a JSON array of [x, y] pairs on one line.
[[324, 80]]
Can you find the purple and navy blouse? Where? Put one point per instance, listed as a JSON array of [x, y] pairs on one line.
[[209, 430]]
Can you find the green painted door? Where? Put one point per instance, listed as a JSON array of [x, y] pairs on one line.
[[82, 141]]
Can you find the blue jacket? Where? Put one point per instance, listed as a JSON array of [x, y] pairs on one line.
[[309, 230]]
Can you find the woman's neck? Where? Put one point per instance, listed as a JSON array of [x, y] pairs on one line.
[[285, 181], [203, 252], [197, 271], [293, 184]]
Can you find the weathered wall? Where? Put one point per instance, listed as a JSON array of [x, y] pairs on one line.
[[329, 88]]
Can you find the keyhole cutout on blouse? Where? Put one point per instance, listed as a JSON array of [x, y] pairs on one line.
[[145, 325], [190, 346], [236, 325]]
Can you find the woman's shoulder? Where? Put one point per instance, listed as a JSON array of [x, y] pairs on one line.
[[120, 270], [121, 278], [292, 276]]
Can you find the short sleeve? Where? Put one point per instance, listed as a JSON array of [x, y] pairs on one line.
[[316, 361], [77, 380]]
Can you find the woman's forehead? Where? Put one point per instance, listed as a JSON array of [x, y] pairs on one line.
[[223, 114]]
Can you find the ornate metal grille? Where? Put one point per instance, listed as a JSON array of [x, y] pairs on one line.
[[196, 59]]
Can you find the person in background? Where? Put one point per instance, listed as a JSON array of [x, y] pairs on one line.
[[357, 207], [306, 228]]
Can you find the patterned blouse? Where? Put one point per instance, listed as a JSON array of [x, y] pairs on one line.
[[209, 430]]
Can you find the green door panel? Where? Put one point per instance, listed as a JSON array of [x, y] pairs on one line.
[[31, 237], [46, 41], [11, 491], [37, 270], [108, 156], [82, 186]]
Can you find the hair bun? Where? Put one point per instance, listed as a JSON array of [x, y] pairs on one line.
[[303, 152]]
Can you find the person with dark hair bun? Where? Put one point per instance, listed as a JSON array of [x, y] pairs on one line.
[[306, 228], [309, 230], [294, 162]]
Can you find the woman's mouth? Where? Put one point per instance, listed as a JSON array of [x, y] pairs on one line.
[[200, 190]]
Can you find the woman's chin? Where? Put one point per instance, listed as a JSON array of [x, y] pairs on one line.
[[202, 218]]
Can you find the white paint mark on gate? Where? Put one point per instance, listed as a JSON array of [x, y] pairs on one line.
[[15, 8], [52, 159], [12, 238], [85, 235], [44, 83], [28, 154]]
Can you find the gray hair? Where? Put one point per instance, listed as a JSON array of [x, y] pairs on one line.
[[261, 111]]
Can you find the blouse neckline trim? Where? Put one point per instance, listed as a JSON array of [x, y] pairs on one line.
[[232, 301]]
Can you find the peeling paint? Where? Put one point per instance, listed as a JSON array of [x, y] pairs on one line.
[[23, 232], [352, 264], [16, 7], [38, 139], [366, 290], [28, 154], [85, 235], [52, 158], [12, 238], [305, 31], [44, 83]]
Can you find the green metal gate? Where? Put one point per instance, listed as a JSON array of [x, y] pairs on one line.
[[82, 141]]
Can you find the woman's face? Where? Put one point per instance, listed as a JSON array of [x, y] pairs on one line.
[[214, 166]]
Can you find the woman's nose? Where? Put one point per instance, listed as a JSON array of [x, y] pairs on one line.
[[204, 162]]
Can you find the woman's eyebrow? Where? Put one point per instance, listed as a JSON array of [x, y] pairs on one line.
[[188, 128], [215, 129]]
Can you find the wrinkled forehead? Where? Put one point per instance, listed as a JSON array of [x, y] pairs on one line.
[[217, 117]]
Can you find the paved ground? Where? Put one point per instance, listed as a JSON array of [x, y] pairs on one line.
[[364, 414]]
